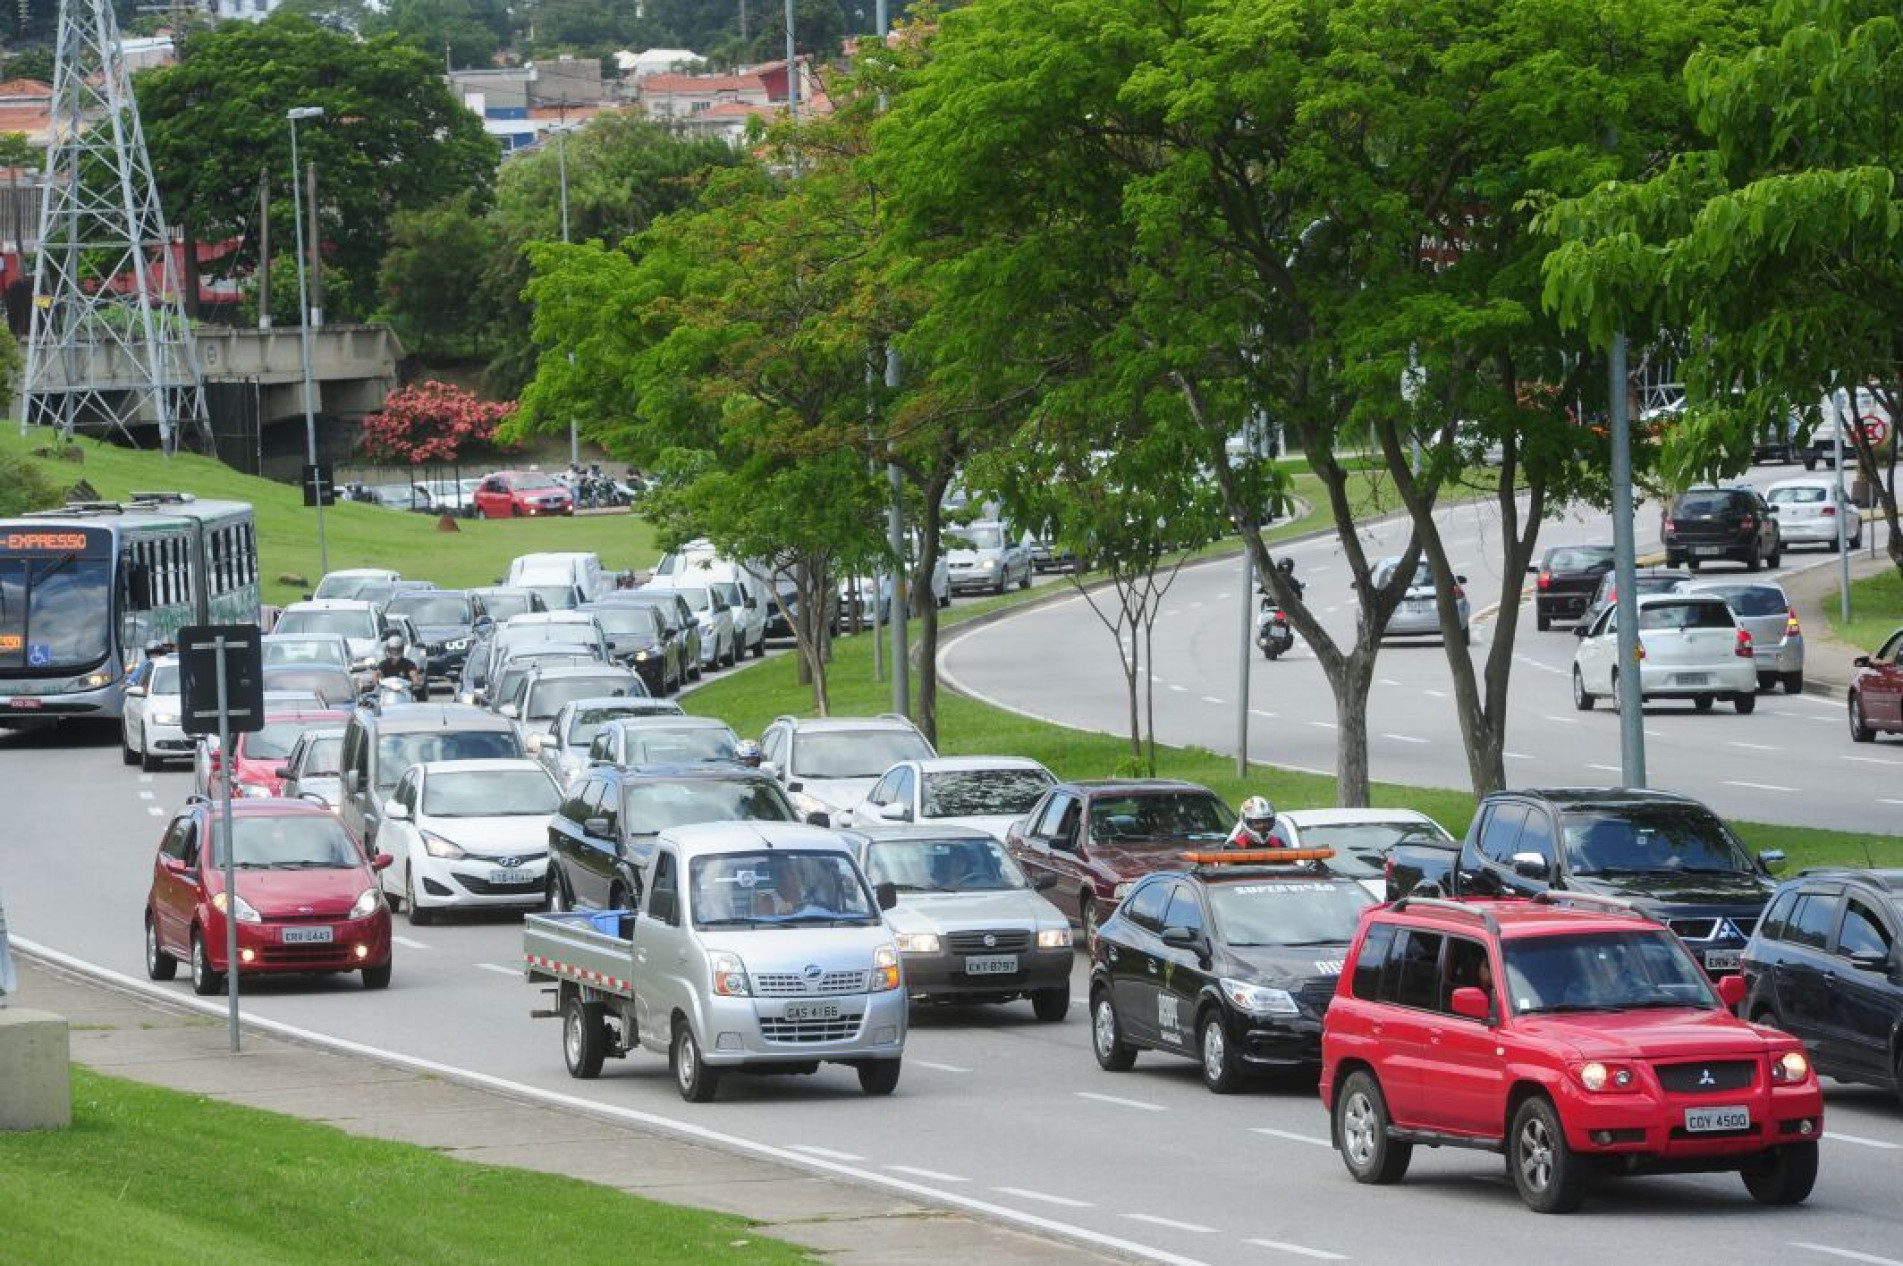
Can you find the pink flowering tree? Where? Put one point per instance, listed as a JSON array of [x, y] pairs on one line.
[[432, 422]]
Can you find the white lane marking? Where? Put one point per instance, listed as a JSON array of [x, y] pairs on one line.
[[603, 1108], [1172, 612], [1607, 769], [1181, 690], [1881, 800], [1655, 734], [1404, 738], [1212, 699], [1323, 725], [1222, 597], [931, 1174], [1025, 1194], [154, 811], [499, 969], [1874, 760], [1291, 1136], [1759, 786], [407, 943], [1563, 720], [1435, 694], [1195, 606], [1835, 1137], [146, 777], [943, 1068], [148, 795], [1282, 1246], [1751, 747], [1516, 756], [1389, 681], [1171, 1223], [1122, 1103], [1848, 1254], [1330, 610], [825, 1153], [1257, 712]]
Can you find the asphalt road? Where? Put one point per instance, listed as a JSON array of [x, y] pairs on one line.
[[994, 1107], [1790, 762]]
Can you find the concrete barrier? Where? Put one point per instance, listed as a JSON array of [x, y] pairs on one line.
[[36, 1091]]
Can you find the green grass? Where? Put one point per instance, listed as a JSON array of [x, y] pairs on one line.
[[477, 553], [162, 1176], [1876, 609]]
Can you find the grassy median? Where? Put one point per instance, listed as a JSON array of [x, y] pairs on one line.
[[1876, 609], [476, 553], [154, 1175]]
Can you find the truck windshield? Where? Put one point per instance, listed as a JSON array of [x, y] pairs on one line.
[[1602, 971], [781, 888], [1654, 839], [55, 612]]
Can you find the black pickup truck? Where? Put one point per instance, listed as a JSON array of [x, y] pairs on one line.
[[1668, 855]]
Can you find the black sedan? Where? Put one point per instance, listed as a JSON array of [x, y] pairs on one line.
[[1231, 964], [638, 639], [1564, 581]]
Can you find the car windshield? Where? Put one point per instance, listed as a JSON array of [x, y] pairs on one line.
[[726, 592], [1580, 558], [345, 586], [855, 753], [555, 597], [433, 608], [535, 483], [1423, 574], [548, 697], [572, 633], [1651, 839], [322, 756], [1159, 815], [360, 624], [956, 793], [982, 538], [1287, 912], [504, 606], [277, 738], [625, 620], [953, 865], [327, 682], [649, 807], [696, 597], [285, 842], [490, 793], [587, 722], [1361, 848], [397, 752], [781, 888], [680, 747], [1751, 600], [1602, 971], [1679, 616], [299, 651], [1801, 495], [1705, 503], [164, 680]]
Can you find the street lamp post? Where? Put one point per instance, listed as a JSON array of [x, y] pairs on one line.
[[304, 319]]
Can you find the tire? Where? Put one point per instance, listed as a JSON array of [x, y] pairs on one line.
[[1544, 622], [1025, 582], [555, 900], [1793, 683], [1114, 1055], [879, 1077], [759, 647], [420, 916], [158, 964], [1746, 704], [1703, 702], [1222, 1071], [584, 1038], [147, 761], [1051, 1005], [378, 977], [1614, 683], [696, 1082], [205, 981], [1859, 732], [1752, 560], [1087, 914], [1361, 1133], [1776, 555], [1785, 1176], [1582, 699], [1549, 1178], [126, 754], [733, 654], [1810, 463], [1693, 564]]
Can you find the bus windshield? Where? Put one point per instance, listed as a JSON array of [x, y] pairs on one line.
[[55, 612]]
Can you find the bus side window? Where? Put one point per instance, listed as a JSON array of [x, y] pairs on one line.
[[138, 580]]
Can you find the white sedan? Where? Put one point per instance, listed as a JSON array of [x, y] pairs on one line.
[[1361, 838], [1690, 647], [467, 834], [988, 793], [150, 730]]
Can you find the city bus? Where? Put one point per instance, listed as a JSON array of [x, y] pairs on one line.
[[85, 588]]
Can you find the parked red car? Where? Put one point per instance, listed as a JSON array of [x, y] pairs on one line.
[[1096, 839], [516, 494], [1876, 692], [307, 898], [257, 755], [1570, 1033]]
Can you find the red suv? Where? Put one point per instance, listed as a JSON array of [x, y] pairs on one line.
[[1569, 1033], [517, 494], [307, 898]]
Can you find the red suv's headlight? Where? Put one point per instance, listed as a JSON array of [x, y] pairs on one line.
[[1597, 1075], [1790, 1068]]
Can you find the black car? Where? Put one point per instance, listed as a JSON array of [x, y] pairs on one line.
[[637, 639], [784, 610], [1231, 965], [1825, 967], [447, 622], [1565, 580], [682, 631], [1646, 580], [606, 826], [1717, 524]]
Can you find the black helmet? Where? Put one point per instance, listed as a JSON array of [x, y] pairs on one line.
[[1285, 565]]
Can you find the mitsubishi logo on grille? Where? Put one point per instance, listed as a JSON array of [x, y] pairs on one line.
[[991, 941], [812, 971], [1705, 1078]]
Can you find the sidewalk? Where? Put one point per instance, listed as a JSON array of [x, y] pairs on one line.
[[1813, 592], [122, 1035]]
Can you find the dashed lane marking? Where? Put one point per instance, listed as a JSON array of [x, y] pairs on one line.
[[1283, 1246], [1562, 720], [824, 1153], [1751, 747], [499, 969], [1291, 1136], [1516, 756], [407, 943], [1848, 1254], [1404, 738], [1122, 1103], [1759, 786], [154, 811], [1181, 690], [1323, 725], [1192, 1227], [148, 795], [930, 1175], [1258, 712], [1043, 1196], [1874, 760], [1212, 699], [941, 1068], [1607, 769], [1879, 1144]]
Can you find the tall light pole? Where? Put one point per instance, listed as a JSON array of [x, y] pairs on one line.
[[304, 320], [1626, 692]]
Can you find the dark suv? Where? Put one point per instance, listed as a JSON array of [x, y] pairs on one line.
[[1709, 524], [1826, 968], [1565, 581]]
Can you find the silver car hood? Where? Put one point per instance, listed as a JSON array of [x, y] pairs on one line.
[[972, 911]]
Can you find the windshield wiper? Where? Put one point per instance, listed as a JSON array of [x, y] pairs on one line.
[[735, 922], [828, 920], [1559, 1008]]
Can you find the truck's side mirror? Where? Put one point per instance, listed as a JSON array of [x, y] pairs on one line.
[[1772, 859], [888, 895], [596, 826], [1472, 1003], [353, 781]]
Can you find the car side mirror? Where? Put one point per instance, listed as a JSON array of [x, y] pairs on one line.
[[174, 864], [138, 692], [596, 826], [888, 895], [1460, 580], [314, 798], [1580, 630], [382, 861], [1861, 661], [1772, 859], [1532, 866], [1532, 569], [309, 598], [282, 771], [1044, 883], [508, 710], [1472, 1003], [770, 769], [534, 744], [353, 781], [1770, 509], [1870, 960], [1182, 938], [1731, 991], [896, 812], [818, 818], [396, 811]]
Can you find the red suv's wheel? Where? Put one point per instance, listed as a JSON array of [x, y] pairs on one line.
[[1361, 1132], [1550, 1179], [1784, 1176]]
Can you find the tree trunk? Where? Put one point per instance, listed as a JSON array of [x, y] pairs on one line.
[[1147, 672], [928, 550], [1353, 786]]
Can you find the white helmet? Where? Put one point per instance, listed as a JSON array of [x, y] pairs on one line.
[[1258, 818]]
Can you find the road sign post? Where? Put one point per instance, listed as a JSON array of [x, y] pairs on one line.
[[221, 681]]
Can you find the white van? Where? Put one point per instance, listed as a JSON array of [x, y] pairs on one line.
[[580, 570], [742, 587]]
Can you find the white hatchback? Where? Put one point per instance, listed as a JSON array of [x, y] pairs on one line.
[[1690, 647], [1807, 513], [468, 834]]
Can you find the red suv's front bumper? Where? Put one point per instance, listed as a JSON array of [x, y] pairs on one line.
[[1650, 1122]]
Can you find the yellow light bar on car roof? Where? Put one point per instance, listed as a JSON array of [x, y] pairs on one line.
[[1259, 856]]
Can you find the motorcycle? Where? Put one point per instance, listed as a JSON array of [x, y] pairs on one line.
[[389, 690], [1272, 631]]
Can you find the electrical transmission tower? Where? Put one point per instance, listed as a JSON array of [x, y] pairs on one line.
[[110, 345]]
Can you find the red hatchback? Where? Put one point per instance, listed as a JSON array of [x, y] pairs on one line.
[[515, 494], [1876, 692], [257, 756], [1573, 1036], [307, 898]]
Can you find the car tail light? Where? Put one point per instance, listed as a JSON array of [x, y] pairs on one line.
[[1744, 649], [1546, 580], [1829, 512], [1671, 525], [1747, 523], [1791, 628]]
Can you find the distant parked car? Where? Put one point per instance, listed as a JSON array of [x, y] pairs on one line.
[[518, 494]]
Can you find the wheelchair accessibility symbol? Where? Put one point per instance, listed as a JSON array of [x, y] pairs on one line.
[[39, 654]]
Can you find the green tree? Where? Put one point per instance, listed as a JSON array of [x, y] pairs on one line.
[[392, 138], [468, 33], [30, 63], [17, 151], [437, 290]]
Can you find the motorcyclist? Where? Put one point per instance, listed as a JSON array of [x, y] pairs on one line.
[[1255, 825], [396, 664], [1286, 566], [748, 753]]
